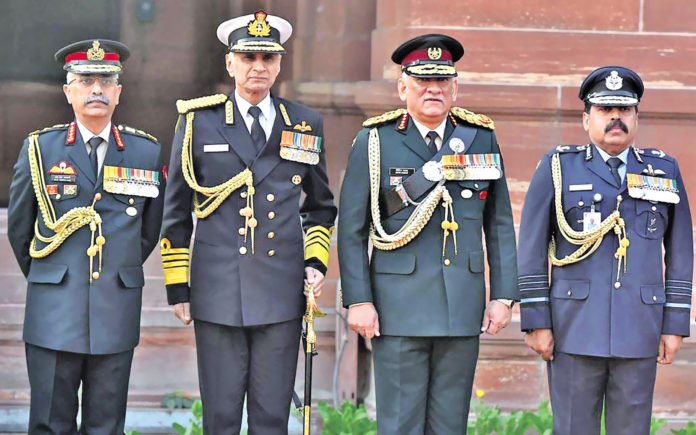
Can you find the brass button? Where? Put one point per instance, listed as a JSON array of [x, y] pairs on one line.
[[270, 197], [271, 235], [57, 195], [131, 201], [654, 298], [243, 194], [242, 231], [653, 208], [296, 179], [581, 203], [447, 262], [617, 285], [570, 292], [271, 253], [271, 215], [243, 250]]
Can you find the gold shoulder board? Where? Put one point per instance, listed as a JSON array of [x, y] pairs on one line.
[[473, 118], [384, 117], [54, 127], [135, 131], [184, 106]]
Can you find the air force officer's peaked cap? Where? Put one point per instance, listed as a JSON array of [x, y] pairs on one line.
[[255, 33], [612, 86]]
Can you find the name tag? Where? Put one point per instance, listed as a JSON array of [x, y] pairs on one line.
[[579, 187], [216, 148]]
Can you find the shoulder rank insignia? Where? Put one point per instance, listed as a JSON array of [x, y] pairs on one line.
[[653, 152], [135, 131], [570, 148], [51, 128], [284, 113], [473, 118], [185, 106], [383, 118]]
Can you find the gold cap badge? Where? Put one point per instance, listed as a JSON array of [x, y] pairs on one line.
[[96, 52], [434, 53], [259, 27]]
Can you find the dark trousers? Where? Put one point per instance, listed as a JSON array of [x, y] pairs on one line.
[[257, 360], [423, 384], [579, 385], [54, 378]]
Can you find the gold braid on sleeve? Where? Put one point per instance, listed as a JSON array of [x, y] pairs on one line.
[[588, 241], [68, 223], [215, 195], [420, 216]]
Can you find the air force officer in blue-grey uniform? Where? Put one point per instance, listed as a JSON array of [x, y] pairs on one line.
[[85, 212], [604, 212]]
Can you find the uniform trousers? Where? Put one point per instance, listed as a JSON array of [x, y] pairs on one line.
[[54, 378], [580, 385], [259, 361], [423, 384]]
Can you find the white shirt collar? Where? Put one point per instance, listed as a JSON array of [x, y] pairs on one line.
[[87, 134], [623, 156], [440, 129], [243, 105]]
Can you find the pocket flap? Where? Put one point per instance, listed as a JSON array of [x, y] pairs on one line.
[[652, 294], [132, 276], [129, 199], [400, 263], [578, 289], [476, 261], [46, 273], [644, 206], [477, 185]]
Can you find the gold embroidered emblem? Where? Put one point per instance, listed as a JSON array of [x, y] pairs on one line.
[[303, 127], [96, 52], [434, 53], [259, 27]]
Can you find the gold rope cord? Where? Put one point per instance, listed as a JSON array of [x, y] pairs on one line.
[[418, 219], [590, 240], [215, 195], [68, 223]]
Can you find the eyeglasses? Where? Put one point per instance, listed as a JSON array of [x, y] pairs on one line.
[[88, 81]]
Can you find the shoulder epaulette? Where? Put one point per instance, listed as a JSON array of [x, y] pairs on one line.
[[570, 148], [384, 117], [652, 152], [54, 127], [473, 118], [135, 131], [184, 106]]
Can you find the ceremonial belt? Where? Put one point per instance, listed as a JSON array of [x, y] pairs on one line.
[[416, 185]]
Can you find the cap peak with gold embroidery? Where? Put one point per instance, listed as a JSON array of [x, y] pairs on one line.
[[612, 86], [93, 56], [431, 55], [255, 33]]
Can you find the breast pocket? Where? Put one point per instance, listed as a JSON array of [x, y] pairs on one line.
[[132, 205], [575, 205], [473, 195], [651, 219]]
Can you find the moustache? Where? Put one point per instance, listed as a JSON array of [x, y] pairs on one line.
[[100, 98], [615, 123]]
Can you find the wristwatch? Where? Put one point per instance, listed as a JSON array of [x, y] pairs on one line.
[[508, 302]]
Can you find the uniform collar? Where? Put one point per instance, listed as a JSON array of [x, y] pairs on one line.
[[623, 156], [423, 130], [243, 105], [87, 134]]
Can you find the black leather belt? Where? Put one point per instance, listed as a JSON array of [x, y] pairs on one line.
[[415, 186]]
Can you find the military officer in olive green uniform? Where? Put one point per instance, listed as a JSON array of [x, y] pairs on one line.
[[85, 212], [241, 163], [423, 185]]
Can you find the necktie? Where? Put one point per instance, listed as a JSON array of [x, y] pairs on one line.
[[94, 144], [432, 135], [258, 136], [614, 163]]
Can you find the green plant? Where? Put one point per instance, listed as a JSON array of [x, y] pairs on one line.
[[689, 429], [177, 400], [132, 432], [195, 426], [490, 420], [348, 420], [656, 425]]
